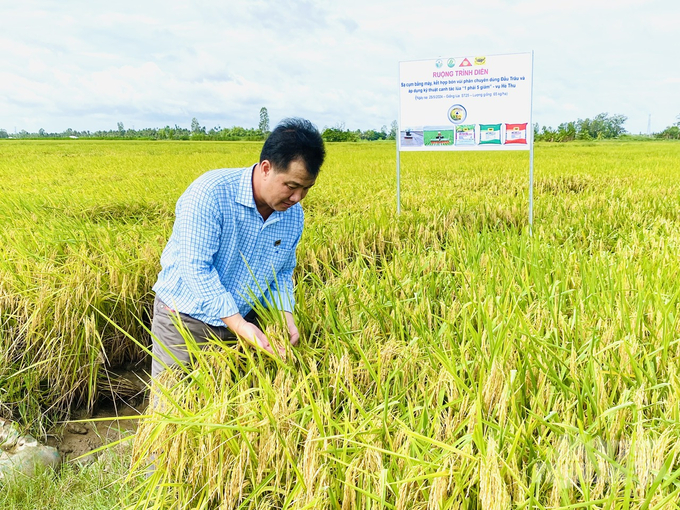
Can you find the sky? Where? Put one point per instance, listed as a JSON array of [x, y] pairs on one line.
[[88, 65]]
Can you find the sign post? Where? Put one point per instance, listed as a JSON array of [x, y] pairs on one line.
[[467, 103]]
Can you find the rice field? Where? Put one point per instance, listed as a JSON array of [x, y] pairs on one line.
[[448, 358]]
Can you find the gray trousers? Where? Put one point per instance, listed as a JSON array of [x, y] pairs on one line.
[[169, 346]]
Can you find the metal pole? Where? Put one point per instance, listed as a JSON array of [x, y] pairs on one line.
[[531, 151], [398, 177], [398, 140]]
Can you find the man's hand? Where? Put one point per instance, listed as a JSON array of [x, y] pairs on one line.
[[250, 333], [256, 338], [292, 329]]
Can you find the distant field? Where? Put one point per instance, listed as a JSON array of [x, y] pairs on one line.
[[449, 359]]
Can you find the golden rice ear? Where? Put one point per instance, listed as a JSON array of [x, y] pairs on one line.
[[493, 492], [277, 334]]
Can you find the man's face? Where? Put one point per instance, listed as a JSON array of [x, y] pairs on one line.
[[282, 190]]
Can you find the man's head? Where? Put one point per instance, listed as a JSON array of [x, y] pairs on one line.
[[289, 164], [294, 140]]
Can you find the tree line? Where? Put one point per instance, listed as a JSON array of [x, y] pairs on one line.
[[198, 132], [340, 134], [602, 126]]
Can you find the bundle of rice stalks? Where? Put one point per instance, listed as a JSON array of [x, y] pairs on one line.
[[241, 428], [222, 432]]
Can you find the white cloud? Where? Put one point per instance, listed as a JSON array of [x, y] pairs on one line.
[[164, 62]]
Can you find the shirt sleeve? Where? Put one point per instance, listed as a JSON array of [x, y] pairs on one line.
[[199, 225]]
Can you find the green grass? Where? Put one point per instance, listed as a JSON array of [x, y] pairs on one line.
[[448, 359], [102, 485]]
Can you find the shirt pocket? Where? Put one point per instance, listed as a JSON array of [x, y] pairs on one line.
[[280, 256]]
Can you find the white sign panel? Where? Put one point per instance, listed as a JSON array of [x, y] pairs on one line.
[[466, 103]]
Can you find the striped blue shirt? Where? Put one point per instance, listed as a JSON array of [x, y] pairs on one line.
[[222, 255]]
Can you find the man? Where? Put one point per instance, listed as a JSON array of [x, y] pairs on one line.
[[234, 241]]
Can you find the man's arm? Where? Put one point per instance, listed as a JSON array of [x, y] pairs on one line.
[[199, 227]]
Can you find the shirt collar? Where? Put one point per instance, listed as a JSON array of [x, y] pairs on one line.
[[245, 196]]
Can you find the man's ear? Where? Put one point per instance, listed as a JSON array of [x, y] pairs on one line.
[[265, 167]]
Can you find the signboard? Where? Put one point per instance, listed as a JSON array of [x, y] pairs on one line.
[[478, 102]]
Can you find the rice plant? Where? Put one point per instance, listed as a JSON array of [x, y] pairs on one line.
[[448, 359]]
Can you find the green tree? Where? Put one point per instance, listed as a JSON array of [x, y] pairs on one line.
[[371, 135], [566, 132], [121, 129], [394, 129], [670, 133], [601, 126], [195, 126], [339, 134], [198, 132], [264, 121]]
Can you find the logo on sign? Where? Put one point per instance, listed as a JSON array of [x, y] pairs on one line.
[[451, 62], [457, 113], [438, 63], [465, 63], [480, 61]]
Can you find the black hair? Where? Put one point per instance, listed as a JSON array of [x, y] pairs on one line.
[[292, 140]]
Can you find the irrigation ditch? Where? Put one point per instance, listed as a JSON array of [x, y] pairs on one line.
[[122, 399]]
